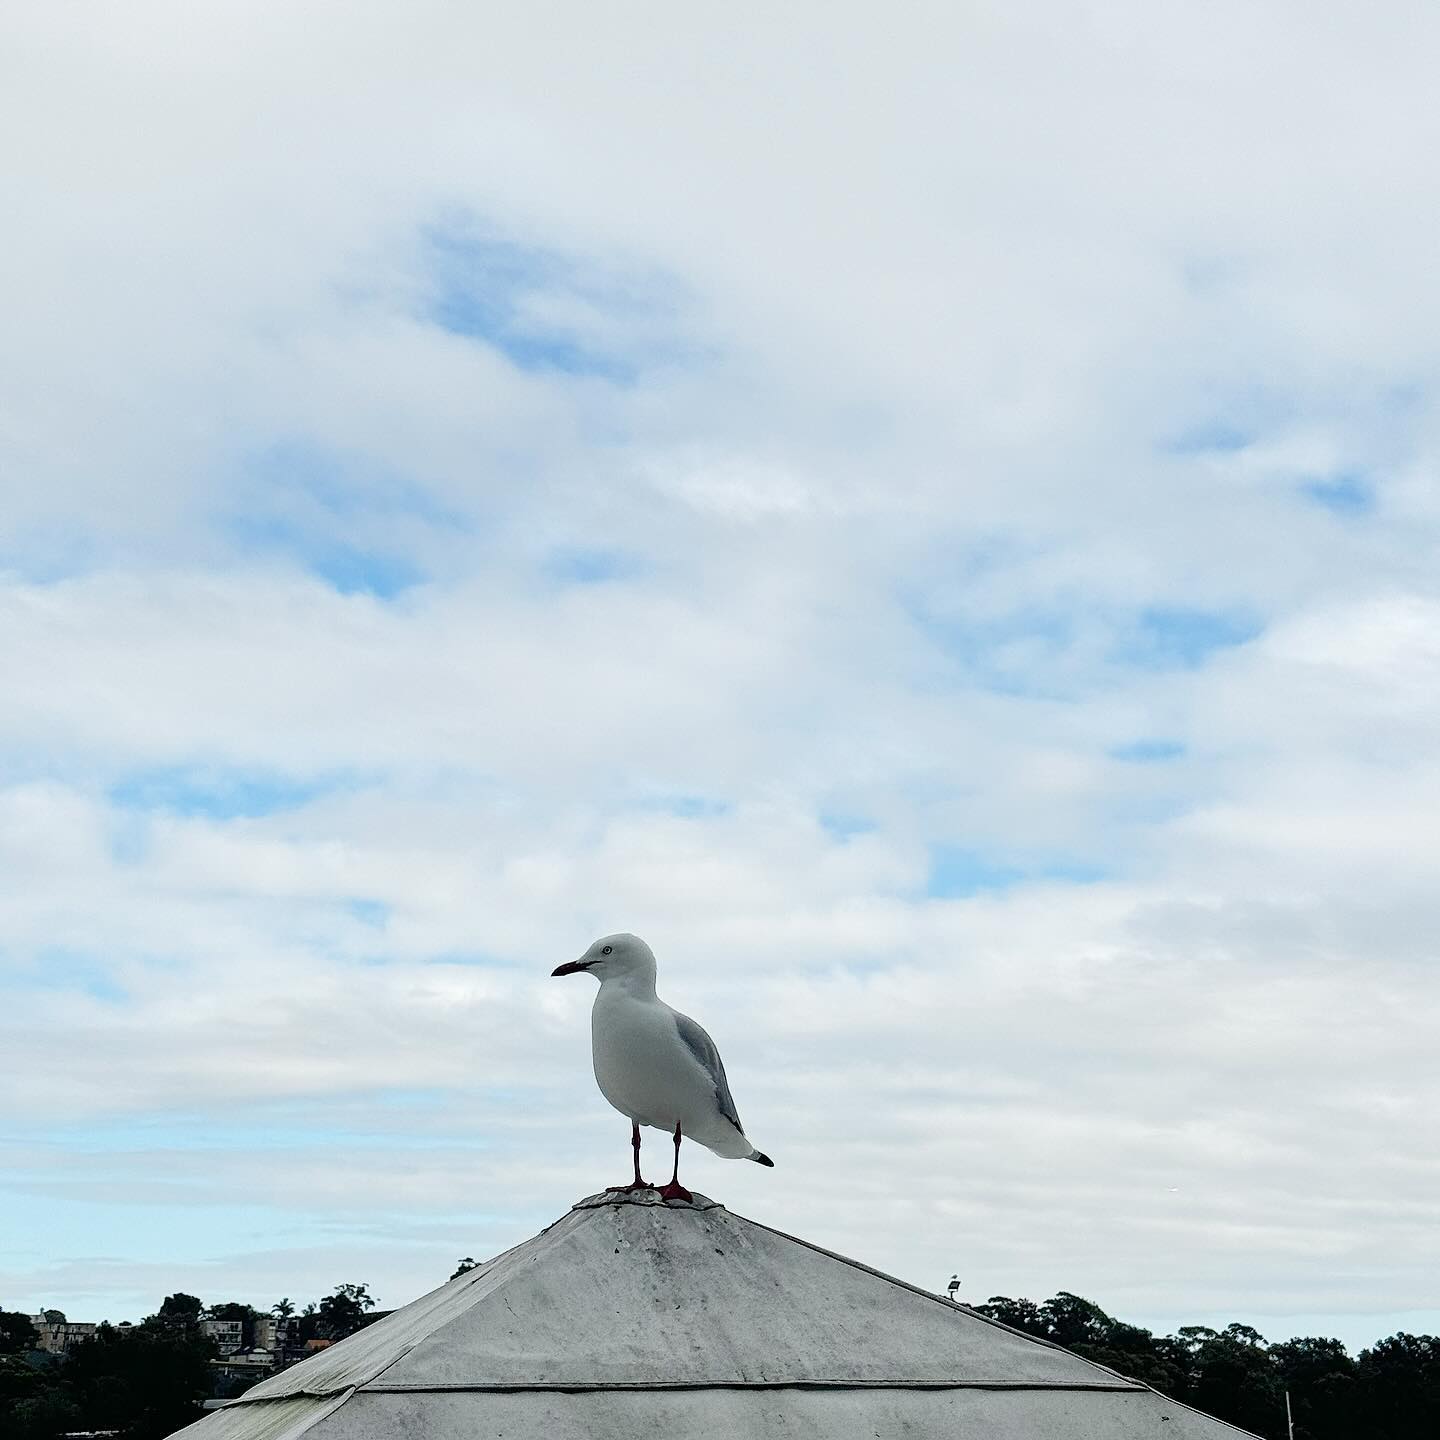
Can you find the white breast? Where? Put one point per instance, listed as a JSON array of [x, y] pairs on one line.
[[645, 1070]]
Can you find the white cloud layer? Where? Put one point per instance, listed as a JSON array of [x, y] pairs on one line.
[[931, 523]]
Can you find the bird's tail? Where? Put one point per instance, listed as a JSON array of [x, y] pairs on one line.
[[760, 1159]]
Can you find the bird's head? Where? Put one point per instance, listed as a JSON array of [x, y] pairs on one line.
[[613, 955]]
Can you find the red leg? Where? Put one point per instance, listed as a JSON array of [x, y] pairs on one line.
[[675, 1190], [638, 1183]]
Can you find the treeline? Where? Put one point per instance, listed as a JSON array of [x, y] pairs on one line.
[[144, 1380], [148, 1380], [1388, 1391]]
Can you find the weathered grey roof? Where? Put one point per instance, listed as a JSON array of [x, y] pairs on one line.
[[630, 1314]]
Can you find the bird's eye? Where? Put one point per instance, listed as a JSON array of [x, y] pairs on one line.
[[607, 949]]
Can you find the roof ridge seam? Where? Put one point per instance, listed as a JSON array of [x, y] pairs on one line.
[[435, 1318], [940, 1299], [587, 1386], [1204, 1415]]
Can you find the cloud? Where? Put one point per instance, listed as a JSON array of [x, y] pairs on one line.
[[937, 537]]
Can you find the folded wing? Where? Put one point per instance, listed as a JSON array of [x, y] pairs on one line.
[[702, 1047]]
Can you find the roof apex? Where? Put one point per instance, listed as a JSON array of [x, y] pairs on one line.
[[630, 1294]]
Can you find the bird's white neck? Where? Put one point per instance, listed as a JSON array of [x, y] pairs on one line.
[[634, 985]]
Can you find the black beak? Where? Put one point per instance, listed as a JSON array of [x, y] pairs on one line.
[[571, 967]]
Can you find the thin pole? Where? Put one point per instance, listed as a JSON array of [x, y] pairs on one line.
[[1289, 1423]]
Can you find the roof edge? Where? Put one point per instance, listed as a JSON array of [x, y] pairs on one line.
[[1128, 1382], [649, 1197], [579, 1387]]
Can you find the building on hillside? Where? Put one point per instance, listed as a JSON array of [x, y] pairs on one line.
[[228, 1335], [57, 1336], [273, 1332], [632, 1316], [245, 1365]]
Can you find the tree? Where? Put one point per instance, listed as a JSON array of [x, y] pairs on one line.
[[238, 1310], [1236, 1379], [1082, 1326], [47, 1413], [343, 1313], [463, 1268], [1018, 1314], [307, 1326], [33, 1406], [283, 1308], [147, 1381], [1072, 1320], [17, 1333], [1232, 1374], [54, 1317], [1320, 1376], [1399, 1386], [179, 1313], [18, 1381]]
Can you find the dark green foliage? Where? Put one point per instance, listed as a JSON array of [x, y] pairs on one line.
[[179, 1315], [1392, 1392], [18, 1381], [48, 1413], [145, 1381], [1320, 1375], [236, 1310], [343, 1313], [149, 1379], [16, 1332], [1234, 1377], [1398, 1382], [1082, 1326]]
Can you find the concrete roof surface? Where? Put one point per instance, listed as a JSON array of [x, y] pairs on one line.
[[631, 1313]]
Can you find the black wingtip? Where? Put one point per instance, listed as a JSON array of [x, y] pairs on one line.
[[760, 1159]]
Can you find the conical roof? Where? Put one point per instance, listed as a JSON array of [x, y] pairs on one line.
[[632, 1315]]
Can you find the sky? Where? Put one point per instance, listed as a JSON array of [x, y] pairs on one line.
[[929, 518]]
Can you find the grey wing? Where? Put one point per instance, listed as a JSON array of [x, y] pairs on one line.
[[702, 1047]]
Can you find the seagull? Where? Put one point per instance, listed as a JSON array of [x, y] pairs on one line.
[[654, 1064]]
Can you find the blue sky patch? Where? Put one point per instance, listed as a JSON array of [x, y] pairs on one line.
[[384, 1117], [349, 568], [60, 968], [957, 872], [579, 565], [845, 826], [1228, 419], [1041, 653], [218, 792], [341, 518], [1148, 752], [484, 289], [330, 485], [353, 571], [1173, 637], [1349, 494], [374, 913], [1212, 437], [481, 958], [1017, 654], [692, 807]]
